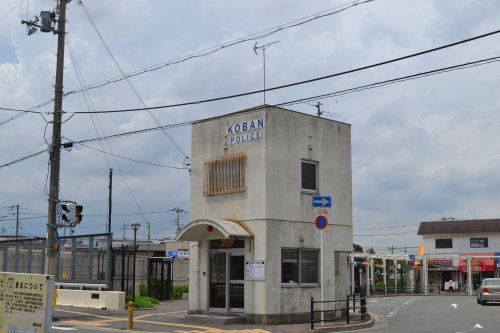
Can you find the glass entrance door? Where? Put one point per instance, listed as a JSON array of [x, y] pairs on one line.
[[218, 280], [236, 281], [227, 270]]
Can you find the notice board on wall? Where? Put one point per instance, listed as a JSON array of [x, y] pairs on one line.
[[255, 270], [26, 303]]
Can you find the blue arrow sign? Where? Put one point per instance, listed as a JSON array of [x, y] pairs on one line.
[[172, 254], [322, 201]]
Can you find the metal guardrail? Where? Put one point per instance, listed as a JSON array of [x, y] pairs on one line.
[[412, 289], [344, 306]]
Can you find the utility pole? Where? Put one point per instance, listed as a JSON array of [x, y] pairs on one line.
[[263, 48], [17, 221], [149, 235], [110, 188], [124, 228], [55, 147], [110, 237], [318, 107], [178, 211]]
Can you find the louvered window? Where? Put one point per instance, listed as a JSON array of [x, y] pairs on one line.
[[225, 175]]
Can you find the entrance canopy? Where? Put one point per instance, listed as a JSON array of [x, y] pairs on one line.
[[198, 230]]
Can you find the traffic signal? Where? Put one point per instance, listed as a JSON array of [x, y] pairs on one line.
[[78, 214], [65, 211]]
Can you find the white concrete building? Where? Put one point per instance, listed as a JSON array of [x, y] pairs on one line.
[[255, 248], [448, 243]]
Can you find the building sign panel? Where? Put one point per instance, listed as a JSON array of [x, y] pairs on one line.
[[26, 303], [255, 270], [245, 131]]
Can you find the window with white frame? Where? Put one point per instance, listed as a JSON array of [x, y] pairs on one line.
[[479, 242], [299, 266], [444, 243]]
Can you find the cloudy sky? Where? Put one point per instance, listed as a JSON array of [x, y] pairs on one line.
[[421, 149]]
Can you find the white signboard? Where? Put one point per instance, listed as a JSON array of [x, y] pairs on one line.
[[183, 254], [245, 131], [26, 303], [255, 270]]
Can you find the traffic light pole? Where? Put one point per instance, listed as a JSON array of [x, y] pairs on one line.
[[55, 148]]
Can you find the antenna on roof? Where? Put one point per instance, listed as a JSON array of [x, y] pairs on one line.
[[447, 218]]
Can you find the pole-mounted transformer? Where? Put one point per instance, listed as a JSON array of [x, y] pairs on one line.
[[47, 20]]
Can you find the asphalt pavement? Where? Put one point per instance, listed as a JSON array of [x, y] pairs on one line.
[[436, 314]]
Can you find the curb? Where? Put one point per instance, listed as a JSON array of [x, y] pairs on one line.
[[345, 328]]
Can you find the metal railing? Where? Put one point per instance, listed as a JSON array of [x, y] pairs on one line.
[[347, 307], [412, 289]]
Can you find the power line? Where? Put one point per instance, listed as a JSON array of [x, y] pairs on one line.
[[300, 82], [23, 158], [81, 80], [10, 10], [387, 234], [26, 179], [134, 160], [136, 93], [288, 85], [298, 101], [214, 49], [393, 81], [391, 227]]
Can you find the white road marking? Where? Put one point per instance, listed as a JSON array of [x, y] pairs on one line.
[[478, 326], [455, 306], [63, 328]]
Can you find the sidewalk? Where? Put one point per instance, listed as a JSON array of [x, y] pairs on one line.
[[169, 317]]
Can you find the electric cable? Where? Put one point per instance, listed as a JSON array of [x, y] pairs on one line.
[[134, 160], [136, 93], [11, 10], [391, 227], [26, 179], [297, 83], [208, 51], [297, 101], [81, 80]]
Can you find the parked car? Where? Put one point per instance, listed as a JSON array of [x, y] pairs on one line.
[[489, 290]]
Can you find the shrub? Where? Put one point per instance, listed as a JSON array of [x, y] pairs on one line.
[[143, 290], [142, 302], [177, 291]]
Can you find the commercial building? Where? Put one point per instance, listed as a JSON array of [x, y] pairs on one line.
[[447, 244], [255, 249]]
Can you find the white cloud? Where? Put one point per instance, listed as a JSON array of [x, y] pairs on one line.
[[419, 148]]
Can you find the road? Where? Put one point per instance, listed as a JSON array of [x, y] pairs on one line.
[[437, 314]]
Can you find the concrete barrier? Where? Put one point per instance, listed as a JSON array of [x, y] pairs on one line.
[[112, 300]]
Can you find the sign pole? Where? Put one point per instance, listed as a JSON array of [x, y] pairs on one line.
[[321, 277]]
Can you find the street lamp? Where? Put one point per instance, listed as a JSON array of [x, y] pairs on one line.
[[135, 226]]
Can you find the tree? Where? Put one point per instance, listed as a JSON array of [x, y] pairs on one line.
[[357, 248]]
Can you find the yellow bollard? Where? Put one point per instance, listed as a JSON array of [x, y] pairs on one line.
[[130, 315], [54, 299]]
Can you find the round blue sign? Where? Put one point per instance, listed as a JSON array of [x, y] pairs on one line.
[[321, 222]]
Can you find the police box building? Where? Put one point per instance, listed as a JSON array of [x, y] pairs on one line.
[[260, 179]]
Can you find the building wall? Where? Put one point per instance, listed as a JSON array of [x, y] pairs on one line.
[[274, 208], [209, 141], [461, 243]]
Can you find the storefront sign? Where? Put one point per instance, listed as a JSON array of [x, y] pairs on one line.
[[26, 303], [255, 270], [245, 131]]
